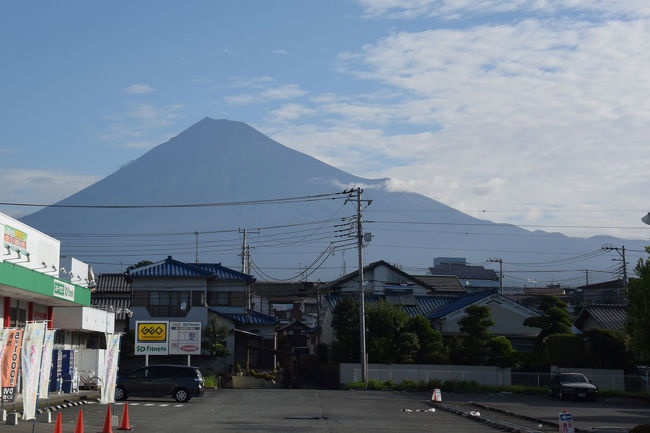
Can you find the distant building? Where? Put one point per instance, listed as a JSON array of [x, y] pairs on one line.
[[472, 277]]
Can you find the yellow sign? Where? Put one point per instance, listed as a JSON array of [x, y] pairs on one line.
[[152, 331]]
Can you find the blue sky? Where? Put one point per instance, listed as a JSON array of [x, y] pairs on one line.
[[533, 110]]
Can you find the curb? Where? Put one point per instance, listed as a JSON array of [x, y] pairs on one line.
[[530, 418]]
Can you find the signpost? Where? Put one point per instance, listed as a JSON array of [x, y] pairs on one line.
[[167, 338], [151, 338], [185, 339], [566, 422]]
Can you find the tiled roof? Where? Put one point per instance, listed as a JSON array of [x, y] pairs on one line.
[[173, 268], [442, 283], [222, 273], [248, 317], [424, 304], [112, 283], [460, 303], [464, 272], [607, 316], [115, 303], [371, 266]]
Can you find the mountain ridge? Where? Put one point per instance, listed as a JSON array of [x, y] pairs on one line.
[[219, 160]]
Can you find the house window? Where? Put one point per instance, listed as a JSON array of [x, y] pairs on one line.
[[226, 299], [197, 298], [169, 304], [219, 298]]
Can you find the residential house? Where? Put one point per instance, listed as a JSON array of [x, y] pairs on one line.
[[171, 290], [508, 317], [607, 292], [113, 293], [473, 278], [603, 316], [380, 278]]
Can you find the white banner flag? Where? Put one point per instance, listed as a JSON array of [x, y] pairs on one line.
[[4, 333], [109, 375], [31, 366], [46, 364]]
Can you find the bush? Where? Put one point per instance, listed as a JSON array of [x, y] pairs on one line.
[[642, 428], [211, 381]]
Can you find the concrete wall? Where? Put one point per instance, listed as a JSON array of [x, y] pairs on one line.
[[486, 375]]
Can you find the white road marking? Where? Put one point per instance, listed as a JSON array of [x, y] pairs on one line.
[[163, 405], [148, 404], [135, 404], [178, 405]]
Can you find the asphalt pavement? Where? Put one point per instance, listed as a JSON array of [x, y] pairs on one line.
[[300, 410]]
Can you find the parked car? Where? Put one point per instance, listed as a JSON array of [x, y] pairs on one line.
[[572, 385], [180, 382]]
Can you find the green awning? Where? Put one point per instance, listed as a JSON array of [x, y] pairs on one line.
[[14, 276]]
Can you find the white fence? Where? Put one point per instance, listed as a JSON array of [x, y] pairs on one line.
[[396, 373], [488, 375]]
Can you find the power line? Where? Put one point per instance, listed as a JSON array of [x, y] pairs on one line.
[[299, 199]]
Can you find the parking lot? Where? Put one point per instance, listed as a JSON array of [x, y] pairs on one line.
[[283, 410]]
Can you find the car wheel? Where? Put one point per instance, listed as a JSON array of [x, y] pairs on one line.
[[120, 393], [181, 395]]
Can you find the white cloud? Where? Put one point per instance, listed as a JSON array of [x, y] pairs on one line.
[[519, 117], [265, 92], [288, 91], [138, 121], [41, 186], [138, 89], [288, 112], [453, 9]]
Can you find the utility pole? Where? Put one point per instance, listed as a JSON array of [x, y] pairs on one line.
[[243, 252], [362, 308], [621, 252], [587, 277], [500, 261], [196, 234]]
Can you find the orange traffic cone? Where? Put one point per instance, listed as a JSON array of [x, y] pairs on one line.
[[108, 421], [57, 426], [124, 423], [79, 427]]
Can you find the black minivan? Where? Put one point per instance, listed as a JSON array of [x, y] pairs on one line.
[[180, 382]]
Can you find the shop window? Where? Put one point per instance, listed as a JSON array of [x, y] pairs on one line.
[[18, 317]]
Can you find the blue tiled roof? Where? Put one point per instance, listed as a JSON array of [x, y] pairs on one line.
[[248, 317], [424, 304], [173, 268], [223, 273], [460, 303]]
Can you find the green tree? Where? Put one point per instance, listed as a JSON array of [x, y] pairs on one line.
[[214, 338], [500, 352], [638, 311], [554, 321], [345, 324], [607, 349], [475, 336], [432, 348], [385, 326]]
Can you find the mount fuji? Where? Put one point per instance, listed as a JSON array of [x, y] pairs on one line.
[[225, 163]]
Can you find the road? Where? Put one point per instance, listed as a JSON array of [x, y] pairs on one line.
[[336, 411]]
